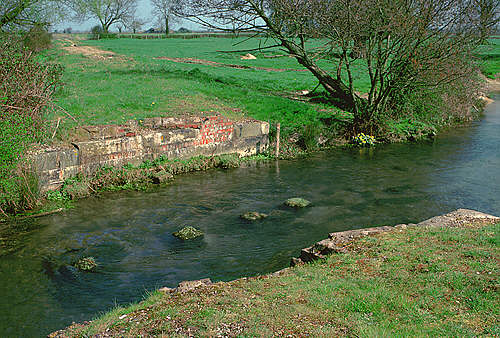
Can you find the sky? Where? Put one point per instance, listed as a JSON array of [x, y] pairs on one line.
[[143, 12]]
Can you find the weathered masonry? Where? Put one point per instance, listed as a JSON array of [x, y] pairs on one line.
[[136, 142]]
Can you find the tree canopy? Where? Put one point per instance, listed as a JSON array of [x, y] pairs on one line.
[[407, 48], [163, 10], [108, 12], [22, 14]]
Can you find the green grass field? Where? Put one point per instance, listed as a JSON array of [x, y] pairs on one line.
[[419, 282], [490, 58], [135, 85]]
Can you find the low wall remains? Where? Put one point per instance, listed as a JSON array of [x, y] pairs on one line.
[[135, 142], [337, 242]]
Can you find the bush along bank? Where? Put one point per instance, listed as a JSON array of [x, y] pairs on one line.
[[26, 89]]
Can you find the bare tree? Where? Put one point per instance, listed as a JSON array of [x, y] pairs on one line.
[[488, 12], [136, 24], [15, 14], [108, 12], [402, 45], [163, 11]]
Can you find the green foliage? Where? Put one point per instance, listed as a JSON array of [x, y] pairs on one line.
[[410, 129], [309, 137], [57, 196], [76, 187], [17, 189], [26, 87], [108, 36], [37, 38], [96, 32]]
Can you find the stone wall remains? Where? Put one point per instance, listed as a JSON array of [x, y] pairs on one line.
[[135, 142]]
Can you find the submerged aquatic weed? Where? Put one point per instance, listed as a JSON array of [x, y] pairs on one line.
[[297, 202], [86, 264]]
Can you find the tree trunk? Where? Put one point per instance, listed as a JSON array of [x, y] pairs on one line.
[[166, 26], [105, 28], [334, 87]]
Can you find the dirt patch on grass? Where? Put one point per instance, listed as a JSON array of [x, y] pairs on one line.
[[88, 51], [227, 65]]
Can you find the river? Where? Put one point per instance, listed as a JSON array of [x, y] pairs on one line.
[[129, 233]]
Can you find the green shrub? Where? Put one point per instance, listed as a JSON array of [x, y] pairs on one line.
[[37, 39], [57, 196], [96, 32], [76, 187], [26, 89], [109, 36]]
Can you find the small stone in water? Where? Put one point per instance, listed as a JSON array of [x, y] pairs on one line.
[[297, 202], [253, 216], [187, 233]]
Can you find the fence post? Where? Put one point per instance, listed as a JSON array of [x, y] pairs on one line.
[[278, 129]]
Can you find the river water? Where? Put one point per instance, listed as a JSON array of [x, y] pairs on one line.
[[129, 233]]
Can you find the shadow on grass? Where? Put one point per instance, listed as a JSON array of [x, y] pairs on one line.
[[194, 74]]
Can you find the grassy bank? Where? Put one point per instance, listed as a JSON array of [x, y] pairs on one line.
[[413, 282], [489, 56]]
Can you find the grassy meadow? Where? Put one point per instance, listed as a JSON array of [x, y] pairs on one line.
[[489, 56], [134, 84], [415, 282]]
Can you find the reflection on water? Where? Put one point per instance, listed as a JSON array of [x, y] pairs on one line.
[[129, 234]]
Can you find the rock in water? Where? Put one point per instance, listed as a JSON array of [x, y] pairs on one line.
[[188, 233], [297, 202], [86, 264], [162, 177], [253, 216]]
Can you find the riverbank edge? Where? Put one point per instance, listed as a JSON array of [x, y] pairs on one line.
[[289, 150], [336, 243]]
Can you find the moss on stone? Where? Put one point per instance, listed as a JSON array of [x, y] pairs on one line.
[[187, 233], [86, 264], [253, 216], [297, 202]]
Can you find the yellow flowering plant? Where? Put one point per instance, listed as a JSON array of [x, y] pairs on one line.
[[363, 140]]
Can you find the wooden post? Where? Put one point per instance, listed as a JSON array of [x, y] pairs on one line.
[[278, 129]]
